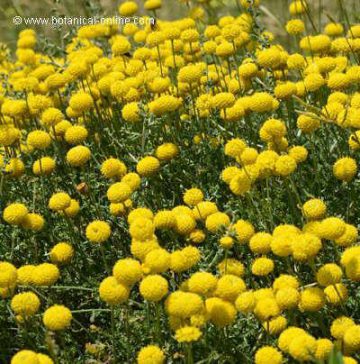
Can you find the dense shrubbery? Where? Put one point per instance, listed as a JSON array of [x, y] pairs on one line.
[[182, 192]]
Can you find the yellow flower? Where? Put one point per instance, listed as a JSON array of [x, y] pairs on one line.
[[245, 302], [154, 288], [44, 166], [61, 253], [148, 166], [164, 104], [244, 231], [150, 354], [127, 271], [25, 304], [266, 308], [287, 298], [268, 354], [157, 261], [336, 294], [303, 347], [98, 231], [38, 139], [202, 283], [312, 299], [152, 4], [345, 169], [113, 168], [262, 266], [216, 221], [332, 228], [45, 274], [295, 26], [128, 8], [131, 112], [285, 165], [229, 287], [25, 357], [221, 313], [57, 317], [118, 192], [340, 325], [187, 334], [8, 275], [269, 58], [24, 274], [314, 209], [324, 348], [329, 274], [78, 156], [334, 29], [76, 134], [15, 213], [183, 304], [167, 151], [352, 338], [113, 292]]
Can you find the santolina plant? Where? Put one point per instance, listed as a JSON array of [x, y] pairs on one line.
[[182, 192]]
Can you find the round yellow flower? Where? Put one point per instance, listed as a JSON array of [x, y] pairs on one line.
[[154, 288], [336, 294], [268, 354], [262, 266], [245, 302], [167, 151], [312, 299], [183, 304], [157, 261], [118, 192], [352, 338], [187, 334], [57, 318], [24, 274], [222, 313], [303, 347], [314, 209], [295, 26], [345, 169], [98, 231], [76, 134], [244, 231], [148, 166], [113, 168], [113, 292], [150, 354], [332, 228], [266, 308], [25, 304], [15, 213], [38, 139], [45, 274], [127, 271], [340, 325], [61, 253], [59, 201], [216, 221], [78, 156], [43, 166], [25, 357], [193, 196], [229, 287], [128, 8], [329, 274]]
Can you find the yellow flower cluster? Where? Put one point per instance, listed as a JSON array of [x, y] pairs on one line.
[[182, 190]]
